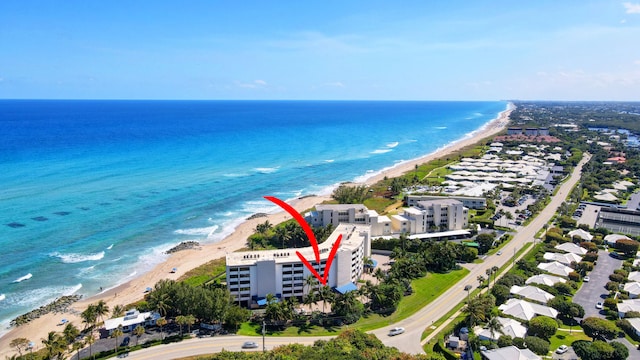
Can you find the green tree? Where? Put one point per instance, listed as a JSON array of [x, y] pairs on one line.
[[598, 328], [118, 311], [235, 316], [181, 320], [485, 242], [479, 307], [537, 345], [138, 331], [161, 322], [55, 345], [101, 309], [19, 344], [116, 333], [628, 247], [543, 327], [494, 326]]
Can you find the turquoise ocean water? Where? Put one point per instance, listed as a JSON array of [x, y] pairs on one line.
[[93, 192]]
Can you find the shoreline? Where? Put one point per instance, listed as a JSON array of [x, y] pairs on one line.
[[184, 260]]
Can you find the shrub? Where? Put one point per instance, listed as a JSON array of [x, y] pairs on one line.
[[616, 277], [611, 303], [612, 286], [537, 345], [574, 276]]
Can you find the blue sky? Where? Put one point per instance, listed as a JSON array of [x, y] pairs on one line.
[[346, 50]]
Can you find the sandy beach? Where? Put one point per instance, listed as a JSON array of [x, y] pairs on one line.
[[188, 259]]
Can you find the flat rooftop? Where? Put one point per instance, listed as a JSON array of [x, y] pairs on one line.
[[352, 237]]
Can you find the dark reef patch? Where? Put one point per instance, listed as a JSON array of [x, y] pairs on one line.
[[40, 218]]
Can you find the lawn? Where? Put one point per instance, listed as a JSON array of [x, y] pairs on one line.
[[426, 289], [204, 273], [563, 337]]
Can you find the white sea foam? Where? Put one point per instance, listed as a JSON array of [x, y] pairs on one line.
[[76, 258], [110, 247], [329, 161], [235, 175], [2, 297], [198, 231], [23, 278], [392, 144], [441, 127], [266, 170], [380, 151]]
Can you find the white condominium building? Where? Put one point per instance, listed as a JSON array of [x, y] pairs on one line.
[[336, 214], [251, 275], [442, 214]]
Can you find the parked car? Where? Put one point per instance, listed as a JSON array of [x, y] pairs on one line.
[[586, 279], [499, 253], [125, 341], [250, 345], [562, 349], [396, 331], [599, 305]]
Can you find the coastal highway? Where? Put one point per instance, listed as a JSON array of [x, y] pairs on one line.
[[414, 325], [209, 345]]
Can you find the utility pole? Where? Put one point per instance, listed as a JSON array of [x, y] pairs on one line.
[[264, 325]]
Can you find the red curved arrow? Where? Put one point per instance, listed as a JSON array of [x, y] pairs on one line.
[[312, 239]]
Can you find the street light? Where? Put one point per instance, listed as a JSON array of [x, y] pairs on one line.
[[468, 289]]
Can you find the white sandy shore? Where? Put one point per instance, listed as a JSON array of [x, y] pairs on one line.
[[185, 260]]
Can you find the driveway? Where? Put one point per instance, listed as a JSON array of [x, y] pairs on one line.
[[593, 291]]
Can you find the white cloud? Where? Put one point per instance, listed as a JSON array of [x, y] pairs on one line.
[[252, 85], [637, 62], [632, 8], [334, 84]]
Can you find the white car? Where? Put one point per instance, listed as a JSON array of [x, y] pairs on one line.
[[250, 345], [562, 349], [396, 331], [586, 279], [599, 305]]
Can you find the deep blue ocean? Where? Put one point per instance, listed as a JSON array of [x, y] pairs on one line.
[[93, 192]]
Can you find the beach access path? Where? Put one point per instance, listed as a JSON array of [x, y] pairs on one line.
[[185, 260]]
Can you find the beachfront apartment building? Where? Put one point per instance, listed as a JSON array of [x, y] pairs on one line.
[[471, 202], [251, 275], [424, 216], [442, 214], [336, 214]]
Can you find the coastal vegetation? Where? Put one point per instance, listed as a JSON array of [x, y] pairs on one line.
[[350, 344]]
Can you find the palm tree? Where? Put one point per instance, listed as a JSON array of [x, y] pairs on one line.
[[326, 294], [494, 326], [160, 300], [101, 309], [70, 332], [379, 275], [55, 345], [161, 322], [310, 281], [263, 228], [480, 279], [495, 274], [89, 339], [138, 331], [117, 311], [89, 317], [181, 320], [77, 346], [190, 320], [116, 334]]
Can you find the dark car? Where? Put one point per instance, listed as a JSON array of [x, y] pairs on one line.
[[125, 341]]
